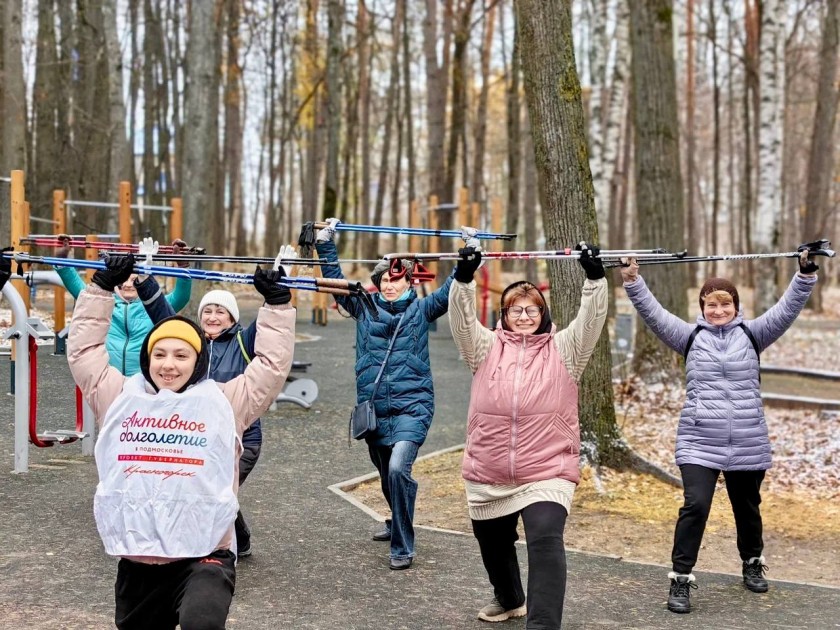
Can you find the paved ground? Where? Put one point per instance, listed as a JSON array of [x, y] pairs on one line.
[[314, 565]]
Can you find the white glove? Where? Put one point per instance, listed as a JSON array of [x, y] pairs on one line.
[[470, 239], [148, 248], [286, 252], [327, 233]]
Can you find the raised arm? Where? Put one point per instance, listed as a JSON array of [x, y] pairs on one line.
[[157, 306], [71, 280], [328, 252], [180, 295], [86, 354], [471, 338], [436, 303], [577, 341], [251, 393], [670, 329], [768, 327]]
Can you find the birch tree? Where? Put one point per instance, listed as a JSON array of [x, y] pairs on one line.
[[553, 95], [770, 131], [13, 99], [599, 47], [335, 12], [119, 157]]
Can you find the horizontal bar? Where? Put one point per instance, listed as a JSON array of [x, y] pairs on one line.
[[43, 220], [111, 204]]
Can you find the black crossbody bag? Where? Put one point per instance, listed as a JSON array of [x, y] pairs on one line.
[[363, 416]]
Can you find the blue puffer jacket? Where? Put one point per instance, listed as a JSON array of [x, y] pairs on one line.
[[405, 400], [129, 323], [722, 421]]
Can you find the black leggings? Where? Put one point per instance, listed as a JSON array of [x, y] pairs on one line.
[[744, 490], [544, 523], [247, 461]]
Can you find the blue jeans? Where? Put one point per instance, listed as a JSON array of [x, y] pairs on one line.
[[400, 491]]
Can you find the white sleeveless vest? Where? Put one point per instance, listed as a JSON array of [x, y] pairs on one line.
[[166, 464]]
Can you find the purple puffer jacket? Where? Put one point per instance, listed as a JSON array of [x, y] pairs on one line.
[[722, 421]]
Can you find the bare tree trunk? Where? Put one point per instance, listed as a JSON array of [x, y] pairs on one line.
[[459, 104], [659, 191], [478, 192], [823, 142], [716, 142], [692, 233], [407, 105], [771, 122], [553, 93], [152, 194], [313, 110], [13, 98], [513, 112], [233, 134], [393, 88], [607, 186], [119, 164], [335, 10], [364, 29], [599, 49], [436, 97], [201, 142], [530, 202], [45, 156]]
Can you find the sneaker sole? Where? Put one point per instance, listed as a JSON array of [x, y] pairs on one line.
[[757, 590], [680, 611], [508, 614]]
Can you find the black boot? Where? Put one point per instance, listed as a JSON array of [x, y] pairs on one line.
[[679, 598], [384, 533], [753, 572]]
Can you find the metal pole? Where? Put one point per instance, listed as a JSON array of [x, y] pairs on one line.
[[89, 427], [21, 335]]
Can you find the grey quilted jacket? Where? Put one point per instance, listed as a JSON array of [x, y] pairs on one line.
[[722, 421]]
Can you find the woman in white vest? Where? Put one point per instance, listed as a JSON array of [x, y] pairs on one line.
[[168, 452]]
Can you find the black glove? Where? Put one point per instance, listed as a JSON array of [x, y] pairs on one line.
[[809, 266], [5, 267], [266, 283], [592, 265], [117, 270], [468, 264]]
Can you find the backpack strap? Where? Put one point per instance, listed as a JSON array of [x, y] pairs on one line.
[[242, 346], [691, 340], [743, 327]]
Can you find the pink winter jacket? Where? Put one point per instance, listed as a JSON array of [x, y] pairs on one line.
[[249, 394], [523, 415]]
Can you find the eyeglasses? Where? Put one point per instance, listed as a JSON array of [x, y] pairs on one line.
[[516, 311]]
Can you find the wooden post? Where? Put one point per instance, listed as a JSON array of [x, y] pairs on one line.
[[414, 241], [176, 219], [20, 227], [59, 227], [125, 212], [464, 208]]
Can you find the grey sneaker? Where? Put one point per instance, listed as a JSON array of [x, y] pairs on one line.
[[494, 611]]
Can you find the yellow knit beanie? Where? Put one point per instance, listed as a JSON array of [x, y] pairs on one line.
[[175, 329]]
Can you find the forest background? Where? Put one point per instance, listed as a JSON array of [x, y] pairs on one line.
[[699, 124]]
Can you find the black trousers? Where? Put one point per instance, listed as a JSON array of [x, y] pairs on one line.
[[744, 490], [247, 461], [544, 523], [195, 593]]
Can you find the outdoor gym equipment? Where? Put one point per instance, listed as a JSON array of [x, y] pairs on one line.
[[26, 331]]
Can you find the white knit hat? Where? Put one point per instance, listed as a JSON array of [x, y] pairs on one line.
[[222, 298]]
